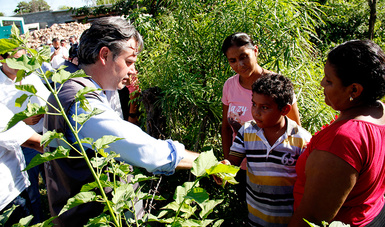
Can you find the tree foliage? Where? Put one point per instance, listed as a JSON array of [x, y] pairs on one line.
[[32, 6], [182, 56]]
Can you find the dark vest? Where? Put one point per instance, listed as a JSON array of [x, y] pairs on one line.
[[65, 177]]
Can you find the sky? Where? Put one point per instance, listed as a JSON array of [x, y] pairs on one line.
[[8, 6]]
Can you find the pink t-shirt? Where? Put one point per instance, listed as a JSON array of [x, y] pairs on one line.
[[362, 145], [238, 99]]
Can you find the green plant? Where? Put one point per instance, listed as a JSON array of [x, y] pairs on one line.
[[325, 224], [103, 164]]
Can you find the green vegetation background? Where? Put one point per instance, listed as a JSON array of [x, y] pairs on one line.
[[182, 56]]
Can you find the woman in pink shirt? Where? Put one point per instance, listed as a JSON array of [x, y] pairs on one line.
[[341, 174], [242, 55]]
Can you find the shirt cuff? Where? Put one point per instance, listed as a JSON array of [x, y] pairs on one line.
[[177, 152]]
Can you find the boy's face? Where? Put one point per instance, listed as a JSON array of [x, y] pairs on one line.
[[265, 111]]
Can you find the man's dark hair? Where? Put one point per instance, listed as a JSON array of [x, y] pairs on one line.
[[111, 32], [275, 86]]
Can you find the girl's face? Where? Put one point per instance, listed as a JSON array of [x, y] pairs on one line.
[[243, 60], [336, 94]]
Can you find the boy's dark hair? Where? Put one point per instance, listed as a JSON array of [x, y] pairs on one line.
[[276, 86]]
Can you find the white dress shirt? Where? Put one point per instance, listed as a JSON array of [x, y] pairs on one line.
[[13, 179]]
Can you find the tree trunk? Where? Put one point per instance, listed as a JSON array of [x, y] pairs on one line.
[[373, 17]]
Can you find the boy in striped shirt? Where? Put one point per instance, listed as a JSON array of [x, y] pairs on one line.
[[271, 143]]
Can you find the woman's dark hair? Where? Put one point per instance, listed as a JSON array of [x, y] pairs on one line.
[[362, 62], [276, 86], [237, 39]]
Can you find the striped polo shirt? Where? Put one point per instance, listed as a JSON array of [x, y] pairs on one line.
[[270, 171]]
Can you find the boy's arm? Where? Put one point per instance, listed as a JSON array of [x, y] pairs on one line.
[[234, 160]]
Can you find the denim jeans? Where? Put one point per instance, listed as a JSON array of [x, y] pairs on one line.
[[33, 189]]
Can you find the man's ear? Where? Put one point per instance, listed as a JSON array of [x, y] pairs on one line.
[[286, 109], [103, 54]]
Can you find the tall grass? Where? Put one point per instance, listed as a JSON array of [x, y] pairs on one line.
[[182, 56]]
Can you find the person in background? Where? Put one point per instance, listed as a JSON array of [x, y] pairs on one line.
[[59, 54], [341, 174], [73, 40], [272, 144], [8, 96], [14, 181], [63, 44], [241, 54], [107, 53]]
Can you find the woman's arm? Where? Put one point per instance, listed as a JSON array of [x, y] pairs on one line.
[[329, 180], [294, 114], [227, 132]]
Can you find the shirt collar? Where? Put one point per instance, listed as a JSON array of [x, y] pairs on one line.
[[4, 79], [291, 127]]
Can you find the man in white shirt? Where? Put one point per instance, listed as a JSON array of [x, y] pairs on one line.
[[8, 96], [13, 180], [59, 54]]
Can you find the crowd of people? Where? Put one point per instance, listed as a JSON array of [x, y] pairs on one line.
[[287, 175]]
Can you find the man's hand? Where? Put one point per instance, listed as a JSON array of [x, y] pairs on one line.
[[33, 120]]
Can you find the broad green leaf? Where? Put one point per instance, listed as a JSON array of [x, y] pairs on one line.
[[50, 135], [198, 194], [19, 101], [100, 162], [185, 208], [79, 97], [6, 214], [8, 45], [336, 224], [24, 221], [15, 30], [79, 73], [78, 199], [61, 76], [187, 211], [82, 118], [32, 110], [181, 191], [192, 222], [123, 193], [27, 87], [60, 152], [86, 140], [84, 91], [46, 223], [205, 161], [92, 185], [20, 75], [208, 207], [102, 143], [162, 213], [24, 63], [218, 223], [142, 177], [222, 168], [102, 220]]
